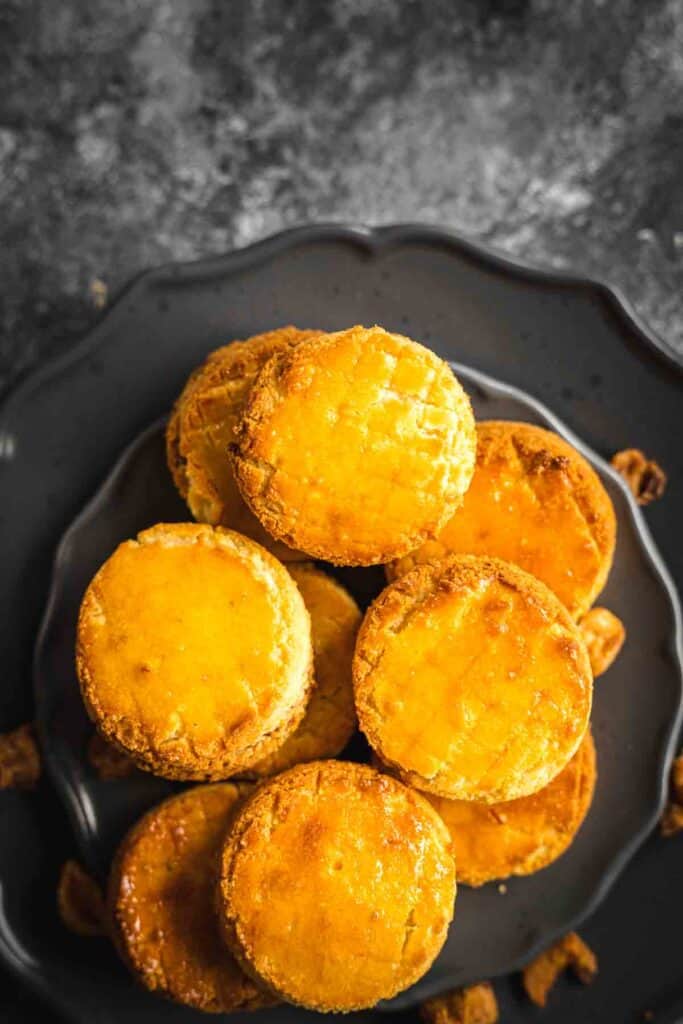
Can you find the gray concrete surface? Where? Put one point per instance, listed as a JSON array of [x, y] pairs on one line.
[[140, 131]]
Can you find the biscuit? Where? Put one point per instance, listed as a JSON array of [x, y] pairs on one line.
[[518, 837], [194, 651], [535, 501], [356, 446], [472, 680], [337, 886], [161, 902], [330, 718], [201, 427]]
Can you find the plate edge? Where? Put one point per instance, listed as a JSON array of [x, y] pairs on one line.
[[373, 239]]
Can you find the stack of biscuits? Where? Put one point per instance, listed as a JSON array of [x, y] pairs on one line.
[[220, 651]]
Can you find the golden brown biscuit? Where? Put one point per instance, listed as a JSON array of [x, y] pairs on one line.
[[355, 447], [202, 425], [518, 837], [161, 902], [337, 885], [330, 717], [534, 501], [472, 680], [194, 651]]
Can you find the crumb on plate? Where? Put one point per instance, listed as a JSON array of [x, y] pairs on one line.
[[539, 976], [604, 634], [19, 758], [645, 477], [473, 1005], [108, 761], [80, 901]]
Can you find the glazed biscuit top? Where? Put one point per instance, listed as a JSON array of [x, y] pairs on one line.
[[355, 445], [161, 900], [472, 680], [202, 425], [330, 717], [518, 837], [535, 501], [192, 639], [337, 884]]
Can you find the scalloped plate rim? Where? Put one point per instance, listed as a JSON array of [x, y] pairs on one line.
[[373, 239]]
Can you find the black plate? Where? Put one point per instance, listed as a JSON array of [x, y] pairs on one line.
[[62, 429], [534, 910]]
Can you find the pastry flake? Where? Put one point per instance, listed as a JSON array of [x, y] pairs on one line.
[[604, 634], [672, 819], [99, 293], [20, 764], [475, 1004], [571, 952], [645, 477], [80, 901], [108, 761]]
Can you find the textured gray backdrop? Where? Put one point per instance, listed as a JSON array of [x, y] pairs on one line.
[[140, 131]]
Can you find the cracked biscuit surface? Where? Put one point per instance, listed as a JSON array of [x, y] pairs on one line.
[[202, 425], [356, 446], [330, 717], [535, 501], [471, 680], [161, 902], [518, 837], [337, 885], [194, 651]]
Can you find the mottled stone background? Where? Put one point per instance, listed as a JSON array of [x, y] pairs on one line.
[[138, 131]]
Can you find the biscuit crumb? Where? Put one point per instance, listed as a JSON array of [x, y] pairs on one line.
[[99, 293], [540, 975], [645, 477], [19, 758], [108, 761], [502, 888], [677, 779], [672, 819], [80, 901], [474, 1005], [604, 635]]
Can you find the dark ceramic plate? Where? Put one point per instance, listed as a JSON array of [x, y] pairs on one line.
[[61, 431]]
